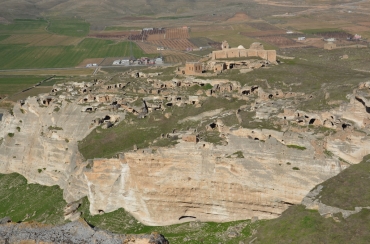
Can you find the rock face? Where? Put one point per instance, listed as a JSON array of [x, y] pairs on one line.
[[201, 181], [73, 232], [256, 173], [40, 142]]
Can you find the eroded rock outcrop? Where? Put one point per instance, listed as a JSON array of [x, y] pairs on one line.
[[255, 173], [74, 232]]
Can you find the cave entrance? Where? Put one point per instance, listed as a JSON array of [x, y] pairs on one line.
[[107, 117], [183, 217], [213, 125]]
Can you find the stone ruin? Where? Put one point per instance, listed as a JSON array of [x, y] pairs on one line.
[[256, 49]]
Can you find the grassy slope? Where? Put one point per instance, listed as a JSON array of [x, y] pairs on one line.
[[354, 190], [347, 190], [30, 202], [298, 225]]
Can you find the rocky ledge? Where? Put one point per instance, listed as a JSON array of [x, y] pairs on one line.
[[74, 232]]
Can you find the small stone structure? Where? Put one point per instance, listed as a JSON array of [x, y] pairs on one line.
[[193, 68], [256, 49]]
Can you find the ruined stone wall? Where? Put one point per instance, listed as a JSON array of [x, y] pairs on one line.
[[269, 55]]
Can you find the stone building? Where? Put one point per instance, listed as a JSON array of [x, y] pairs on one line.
[[256, 49], [192, 68]]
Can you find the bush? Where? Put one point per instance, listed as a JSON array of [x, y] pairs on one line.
[[295, 168], [10, 134], [296, 147]]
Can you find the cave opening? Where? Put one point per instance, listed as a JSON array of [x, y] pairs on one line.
[[184, 216]]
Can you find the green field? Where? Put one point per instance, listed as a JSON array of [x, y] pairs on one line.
[[69, 27], [10, 85], [22, 56], [317, 31], [121, 28], [3, 37], [24, 26], [25, 56]]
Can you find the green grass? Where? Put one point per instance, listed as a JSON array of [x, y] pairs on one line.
[[10, 85], [238, 154], [212, 137], [69, 27], [107, 143], [298, 225], [317, 31], [296, 147], [54, 128], [350, 188], [121, 28], [30, 202], [120, 221], [62, 56], [3, 37]]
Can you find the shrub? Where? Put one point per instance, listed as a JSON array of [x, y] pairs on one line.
[[55, 128], [295, 168], [296, 147], [10, 134]]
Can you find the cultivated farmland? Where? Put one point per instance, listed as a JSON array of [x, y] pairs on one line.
[[69, 27], [10, 85], [176, 44], [24, 26], [22, 56], [41, 40]]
